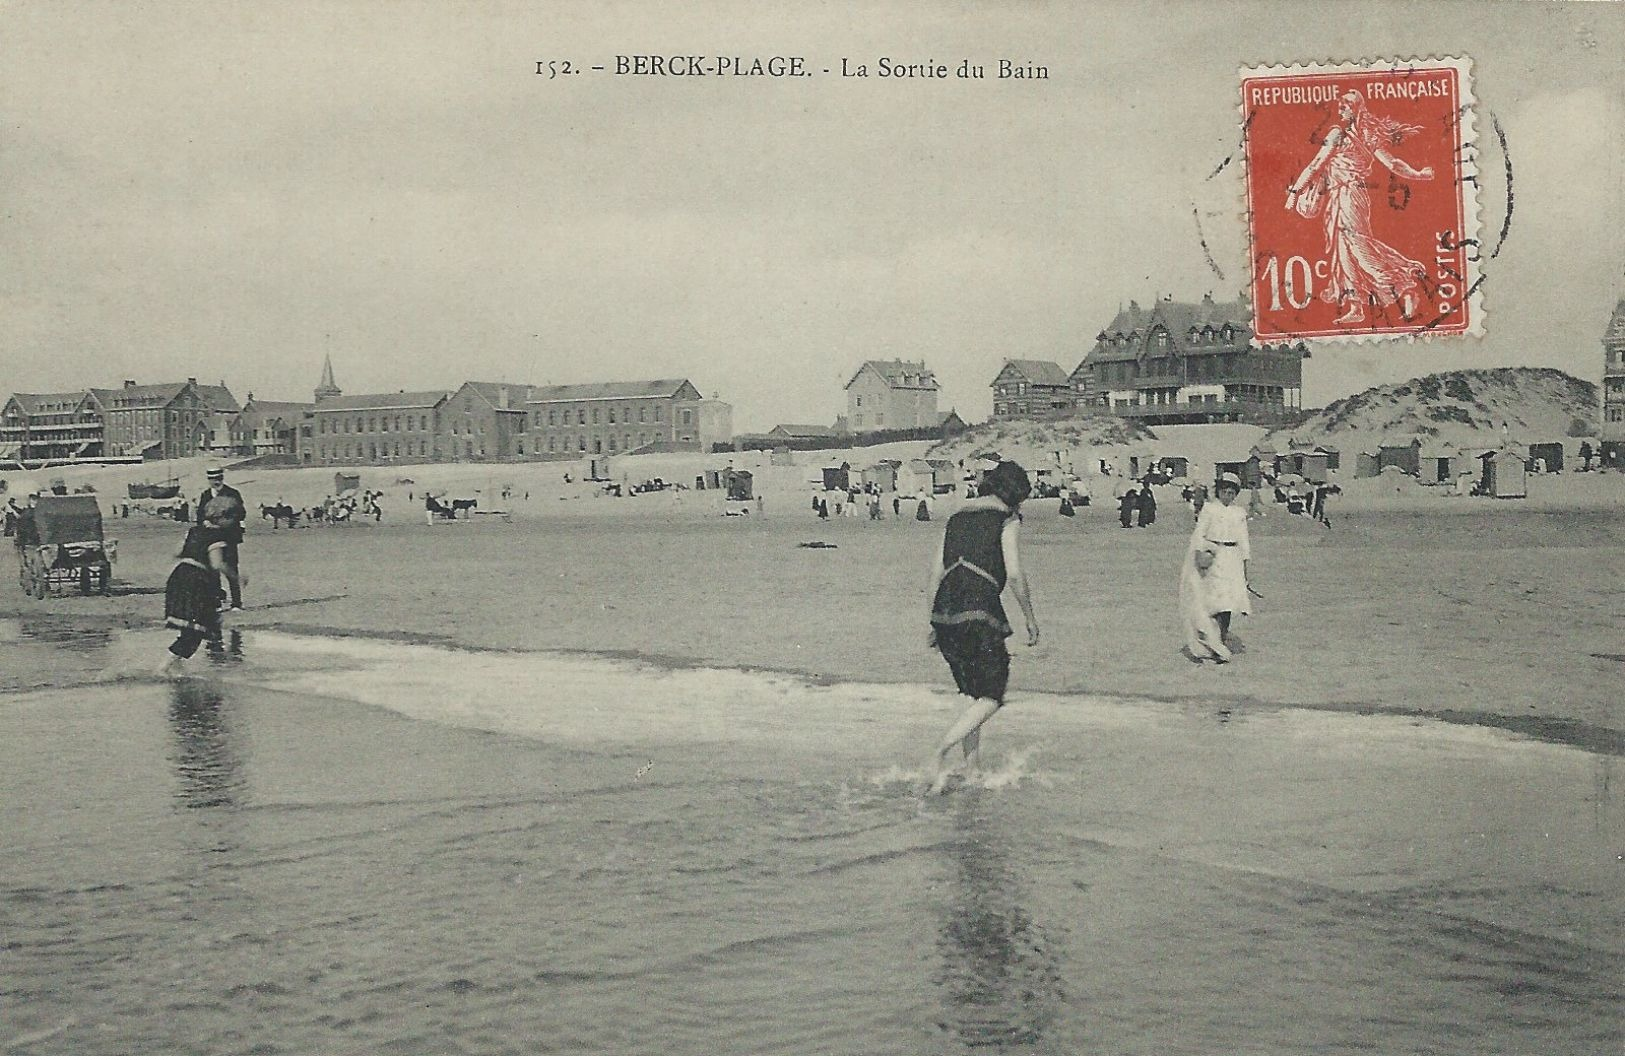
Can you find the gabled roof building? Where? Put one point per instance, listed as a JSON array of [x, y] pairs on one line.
[[157, 421], [1189, 362], [1031, 388], [891, 395], [61, 426], [658, 415], [1612, 432]]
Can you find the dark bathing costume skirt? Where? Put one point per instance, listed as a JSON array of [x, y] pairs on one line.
[[977, 656]]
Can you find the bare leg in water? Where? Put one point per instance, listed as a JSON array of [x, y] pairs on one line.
[[967, 733]]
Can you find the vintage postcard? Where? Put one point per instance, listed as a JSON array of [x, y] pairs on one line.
[[869, 527]]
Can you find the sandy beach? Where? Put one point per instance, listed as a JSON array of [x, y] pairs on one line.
[[1493, 612], [633, 775]]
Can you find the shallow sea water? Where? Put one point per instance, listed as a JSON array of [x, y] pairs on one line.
[[333, 845]]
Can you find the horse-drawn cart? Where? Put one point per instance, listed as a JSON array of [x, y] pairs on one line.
[[67, 548]]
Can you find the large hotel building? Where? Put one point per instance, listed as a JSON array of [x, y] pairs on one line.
[[1175, 362]]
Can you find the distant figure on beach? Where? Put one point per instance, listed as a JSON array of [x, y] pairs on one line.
[[191, 599], [923, 511], [980, 554], [20, 517], [1221, 530], [1198, 500], [1317, 504], [897, 505], [1147, 506], [1127, 506], [220, 512]]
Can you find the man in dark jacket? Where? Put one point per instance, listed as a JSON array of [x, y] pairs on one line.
[[220, 512]]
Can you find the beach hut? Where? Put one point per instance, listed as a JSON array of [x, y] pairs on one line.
[[1437, 463], [1312, 465], [1403, 453], [1545, 456], [1267, 460], [782, 456], [943, 475], [1246, 470], [1176, 466], [740, 484], [1334, 456], [1504, 474], [343, 482], [915, 479], [1365, 465], [835, 478], [882, 474], [598, 469]]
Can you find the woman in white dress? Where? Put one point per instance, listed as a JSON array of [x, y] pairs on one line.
[[1213, 580]]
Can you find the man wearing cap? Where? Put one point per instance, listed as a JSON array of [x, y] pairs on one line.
[[21, 517], [220, 512]]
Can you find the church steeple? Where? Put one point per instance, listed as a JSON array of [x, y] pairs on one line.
[[327, 388]]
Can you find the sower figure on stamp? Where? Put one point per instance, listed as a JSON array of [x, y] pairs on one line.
[[1364, 269], [220, 512], [979, 555]]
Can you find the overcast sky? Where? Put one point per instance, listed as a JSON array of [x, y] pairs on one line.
[[232, 190]]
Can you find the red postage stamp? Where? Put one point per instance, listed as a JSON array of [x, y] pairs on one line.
[[1362, 202]]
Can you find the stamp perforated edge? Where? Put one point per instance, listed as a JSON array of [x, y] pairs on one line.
[[1468, 170]]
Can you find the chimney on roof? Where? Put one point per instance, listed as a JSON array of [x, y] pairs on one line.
[[128, 383]]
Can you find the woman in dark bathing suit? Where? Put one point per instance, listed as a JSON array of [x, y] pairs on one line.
[[980, 555]]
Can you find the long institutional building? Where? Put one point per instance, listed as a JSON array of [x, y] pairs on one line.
[[476, 422], [511, 421], [1176, 362]]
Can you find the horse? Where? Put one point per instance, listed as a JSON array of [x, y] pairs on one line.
[[462, 506], [279, 512]]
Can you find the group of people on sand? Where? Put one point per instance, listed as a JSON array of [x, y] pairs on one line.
[[980, 556], [854, 502], [1137, 506]]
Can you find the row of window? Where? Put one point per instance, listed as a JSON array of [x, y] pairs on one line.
[[579, 415], [562, 443], [1196, 336], [371, 424], [556, 444], [372, 450]]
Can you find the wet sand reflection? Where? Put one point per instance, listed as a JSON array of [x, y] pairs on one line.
[[1001, 977], [208, 765]]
